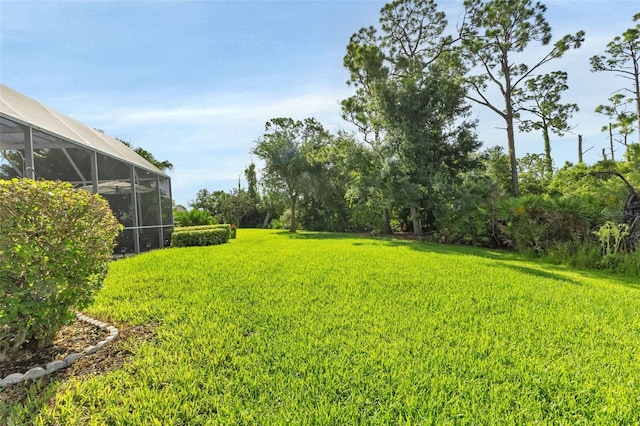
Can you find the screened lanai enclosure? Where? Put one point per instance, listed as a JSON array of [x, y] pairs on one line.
[[38, 142]]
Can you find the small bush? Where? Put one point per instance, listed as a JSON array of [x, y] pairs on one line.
[[199, 237], [275, 224], [611, 236], [55, 245], [630, 264], [194, 217]]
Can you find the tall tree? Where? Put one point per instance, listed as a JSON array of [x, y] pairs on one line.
[[496, 164], [236, 205], [252, 183], [253, 217], [287, 148], [425, 124], [408, 99], [493, 35], [367, 74], [620, 119], [211, 202], [325, 207], [623, 58], [541, 98]]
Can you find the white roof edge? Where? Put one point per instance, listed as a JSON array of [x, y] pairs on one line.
[[29, 112]]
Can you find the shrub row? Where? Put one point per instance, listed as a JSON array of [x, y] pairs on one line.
[[202, 227], [55, 245], [230, 229], [199, 237]]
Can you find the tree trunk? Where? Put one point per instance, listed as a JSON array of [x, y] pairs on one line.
[[631, 216], [611, 142], [417, 226], [292, 225], [267, 218], [631, 213], [512, 160], [511, 140], [580, 149], [548, 161], [636, 82], [508, 118], [386, 217]]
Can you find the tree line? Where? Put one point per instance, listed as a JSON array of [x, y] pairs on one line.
[[414, 163]]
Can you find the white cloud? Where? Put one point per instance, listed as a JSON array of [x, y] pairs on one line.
[[208, 137]]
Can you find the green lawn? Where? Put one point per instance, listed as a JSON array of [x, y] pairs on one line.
[[335, 329]]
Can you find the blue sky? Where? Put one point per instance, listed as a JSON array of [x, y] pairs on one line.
[[195, 81]]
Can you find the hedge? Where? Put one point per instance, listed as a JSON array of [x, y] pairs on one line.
[[199, 237], [228, 227], [202, 227]]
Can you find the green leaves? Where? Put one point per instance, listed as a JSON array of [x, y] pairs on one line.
[[541, 99], [289, 149], [504, 26], [620, 118], [409, 105], [194, 217], [207, 235], [622, 56], [495, 32], [55, 244]]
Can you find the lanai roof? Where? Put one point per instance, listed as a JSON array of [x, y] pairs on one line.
[[58, 130]]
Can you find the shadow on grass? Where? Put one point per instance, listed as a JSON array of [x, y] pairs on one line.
[[312, 235], [539, 273], [625, 280], [395, 241], [507, 259]]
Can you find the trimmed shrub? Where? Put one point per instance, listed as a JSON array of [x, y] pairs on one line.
[[55, 245], [230, 228], [201, 227], [199, 237]]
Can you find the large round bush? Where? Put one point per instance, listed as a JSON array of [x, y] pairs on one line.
[[55, 245]]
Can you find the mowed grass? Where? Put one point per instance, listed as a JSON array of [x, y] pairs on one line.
[[336, 329]]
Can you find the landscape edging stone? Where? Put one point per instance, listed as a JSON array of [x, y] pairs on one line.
[[53, 366]]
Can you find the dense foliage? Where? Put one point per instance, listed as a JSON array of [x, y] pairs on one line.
[[231, 229], [55, 245], [194, 217], [289, 149]]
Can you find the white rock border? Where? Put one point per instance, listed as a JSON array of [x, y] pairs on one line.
[[53, 366]]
